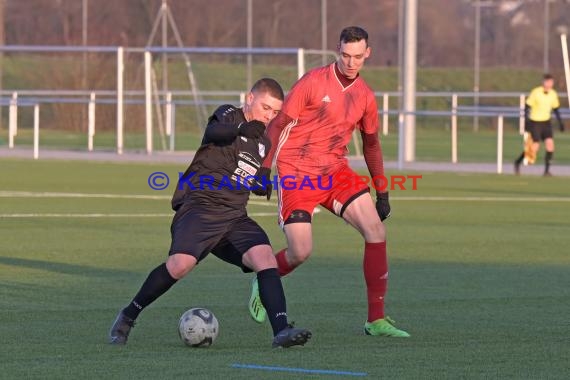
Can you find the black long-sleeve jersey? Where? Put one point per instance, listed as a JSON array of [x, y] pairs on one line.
[[223, 169]]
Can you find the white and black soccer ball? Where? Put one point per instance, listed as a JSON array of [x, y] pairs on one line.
[[198, 327]]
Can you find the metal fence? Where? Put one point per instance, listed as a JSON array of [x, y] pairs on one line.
[[148, 96], [174, 99], [165, 103]]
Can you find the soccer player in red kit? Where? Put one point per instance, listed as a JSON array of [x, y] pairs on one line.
[[309, 141]]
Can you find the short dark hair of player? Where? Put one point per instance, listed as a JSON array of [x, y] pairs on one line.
[[270, 86], [353, 34], [547, 77]]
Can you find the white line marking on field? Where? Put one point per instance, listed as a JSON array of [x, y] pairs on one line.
[[89, 215], [101, 215], [484, 199], [33, 194], [262, 203]]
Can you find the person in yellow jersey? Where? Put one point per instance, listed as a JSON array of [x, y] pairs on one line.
[[542, 101]]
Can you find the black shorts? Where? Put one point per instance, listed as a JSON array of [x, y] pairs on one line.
[[540, 130], [228, 234]]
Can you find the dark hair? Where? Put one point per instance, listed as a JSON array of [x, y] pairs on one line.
[[353, 34], [547, 76], [270, 86]]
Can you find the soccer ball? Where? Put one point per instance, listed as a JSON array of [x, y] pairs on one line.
[[198, 327]]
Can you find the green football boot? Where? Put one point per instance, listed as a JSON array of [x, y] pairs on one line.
[[384, 327], [256, 308]]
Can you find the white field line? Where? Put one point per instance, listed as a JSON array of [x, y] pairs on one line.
[[102, 215], [34, 194], [31, 194], [483, 199], [254, 214], [76, 215]]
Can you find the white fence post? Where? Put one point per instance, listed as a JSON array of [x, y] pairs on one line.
[[170, 120], [500, 145], [120, 89], [385, 114], [454, 128], [90, 122], [173, 126], [168, 111], [36, 131], [566, 64], [300, 62], [147, 97], [521, 115], [401, 140], [242, 98], [13, 120]]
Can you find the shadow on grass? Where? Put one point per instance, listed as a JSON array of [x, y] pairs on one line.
[[63, 268]]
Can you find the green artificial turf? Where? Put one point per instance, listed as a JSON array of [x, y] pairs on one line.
[[479, 275]]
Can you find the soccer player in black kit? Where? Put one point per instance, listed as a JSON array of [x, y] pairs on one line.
[[210, 203]]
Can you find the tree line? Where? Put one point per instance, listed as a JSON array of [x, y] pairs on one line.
[[511, 34]]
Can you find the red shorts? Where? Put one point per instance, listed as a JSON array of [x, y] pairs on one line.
[[334, 192]]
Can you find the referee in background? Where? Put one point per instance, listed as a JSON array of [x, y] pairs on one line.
[[540, 104]]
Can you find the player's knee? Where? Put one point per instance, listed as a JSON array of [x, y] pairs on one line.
[[299, 253], [298, 231], [259, 258], [180, 264], [374, 231]]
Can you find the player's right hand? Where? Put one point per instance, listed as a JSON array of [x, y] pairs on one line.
[[383, 205], [561, 127], [263, 185], [252, 129]]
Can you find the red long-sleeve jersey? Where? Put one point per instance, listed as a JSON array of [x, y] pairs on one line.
[[311, 134]]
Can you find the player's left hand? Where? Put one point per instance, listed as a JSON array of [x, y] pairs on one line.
[[561, 127], [252, 129], [262, 185], [383, 205]]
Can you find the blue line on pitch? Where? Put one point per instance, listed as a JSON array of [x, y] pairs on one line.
[[301, 370]]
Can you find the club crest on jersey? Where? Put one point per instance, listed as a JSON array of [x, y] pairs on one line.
[[327, 99], [261, 150]]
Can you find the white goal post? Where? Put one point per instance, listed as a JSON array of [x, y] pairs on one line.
[[566, 64]]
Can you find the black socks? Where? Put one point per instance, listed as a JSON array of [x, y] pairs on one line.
[[155, 285], [520, 159], [273, 298], [547, 159], [270, 291]]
